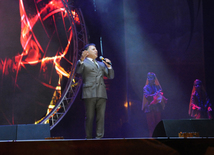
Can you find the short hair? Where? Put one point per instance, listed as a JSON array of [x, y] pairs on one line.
[[87, 46]]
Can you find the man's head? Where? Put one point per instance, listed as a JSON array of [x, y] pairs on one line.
[[92, 51], [151, 77]]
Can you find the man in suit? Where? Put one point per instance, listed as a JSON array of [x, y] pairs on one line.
[[93, 88]]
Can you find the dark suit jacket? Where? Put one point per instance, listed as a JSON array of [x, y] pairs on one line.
[[93, 83]]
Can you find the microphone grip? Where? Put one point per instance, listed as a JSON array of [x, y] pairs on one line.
[[108, 63], [101, 58]]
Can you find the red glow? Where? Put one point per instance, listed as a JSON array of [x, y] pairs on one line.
[[32, 50], [43, 51]]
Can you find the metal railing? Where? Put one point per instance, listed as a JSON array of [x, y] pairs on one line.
[[74, 82]]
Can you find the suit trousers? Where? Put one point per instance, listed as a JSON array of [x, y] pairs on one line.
[[94, 106]]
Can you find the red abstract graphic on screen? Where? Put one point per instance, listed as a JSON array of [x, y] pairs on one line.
[[31, 75]]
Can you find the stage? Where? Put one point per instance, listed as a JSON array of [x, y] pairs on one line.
[[160, 146]]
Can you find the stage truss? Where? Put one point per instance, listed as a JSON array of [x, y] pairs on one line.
[[57, 112]]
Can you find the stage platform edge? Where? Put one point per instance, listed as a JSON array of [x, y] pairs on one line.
[[148, 146]]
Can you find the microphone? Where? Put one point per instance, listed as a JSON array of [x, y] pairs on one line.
[[101, 58]]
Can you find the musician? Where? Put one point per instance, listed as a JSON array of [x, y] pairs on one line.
[[93, 89]]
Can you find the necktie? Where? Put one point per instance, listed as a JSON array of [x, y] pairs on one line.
[[95, 63]]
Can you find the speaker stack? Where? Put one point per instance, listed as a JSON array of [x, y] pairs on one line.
[[24, 132], [172, 128]]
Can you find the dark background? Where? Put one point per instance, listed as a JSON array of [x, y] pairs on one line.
[[208, 22]]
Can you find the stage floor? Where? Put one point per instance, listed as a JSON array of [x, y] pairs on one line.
[[125, 146]]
